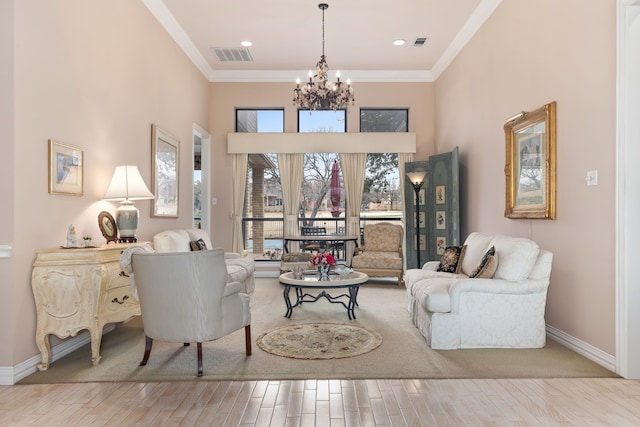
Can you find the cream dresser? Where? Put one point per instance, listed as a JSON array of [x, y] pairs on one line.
[[77, 289]]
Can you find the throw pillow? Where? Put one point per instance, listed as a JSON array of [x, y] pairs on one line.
[[198, 245], [451, 261], [487, 266]]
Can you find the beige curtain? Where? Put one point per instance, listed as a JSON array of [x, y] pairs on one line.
[[291, 167], [240, 167], [353, 167], [402, 159]]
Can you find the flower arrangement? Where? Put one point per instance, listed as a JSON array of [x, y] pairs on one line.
[[323, 258]]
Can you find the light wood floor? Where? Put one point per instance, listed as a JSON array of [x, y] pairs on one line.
[[522, 402]]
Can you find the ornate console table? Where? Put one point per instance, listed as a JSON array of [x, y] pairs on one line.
[[77, 289]]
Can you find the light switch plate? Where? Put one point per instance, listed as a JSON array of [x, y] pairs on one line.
[[592, 178]]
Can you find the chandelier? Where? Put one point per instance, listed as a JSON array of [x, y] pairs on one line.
[[322, 94]]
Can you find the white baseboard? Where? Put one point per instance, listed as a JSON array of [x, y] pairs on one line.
[[592, 353], [9, 375]]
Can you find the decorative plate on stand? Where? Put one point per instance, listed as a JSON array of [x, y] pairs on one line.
[[108, 227]]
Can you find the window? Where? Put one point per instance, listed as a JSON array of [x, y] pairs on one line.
[[322, 121], [259, 120], [384, 120], [322, 201], [382, 182], [263, 214]]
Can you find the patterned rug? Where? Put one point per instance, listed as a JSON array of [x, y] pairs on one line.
[[319, 341]]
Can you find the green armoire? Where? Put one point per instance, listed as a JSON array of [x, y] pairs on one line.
[[438, 208]]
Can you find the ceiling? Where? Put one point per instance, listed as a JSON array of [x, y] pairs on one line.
[[287, 36]]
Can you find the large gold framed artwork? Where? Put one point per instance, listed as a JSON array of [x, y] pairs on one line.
[[530, 164]]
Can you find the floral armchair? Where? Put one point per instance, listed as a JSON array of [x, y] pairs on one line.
[[381, 255]]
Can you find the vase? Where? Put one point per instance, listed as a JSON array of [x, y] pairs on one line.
[[323, 271]]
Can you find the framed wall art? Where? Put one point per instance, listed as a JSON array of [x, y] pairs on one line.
[[66, 174], [530, 164], [165, 158]]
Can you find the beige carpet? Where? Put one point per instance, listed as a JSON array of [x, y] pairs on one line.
[[402, 354]]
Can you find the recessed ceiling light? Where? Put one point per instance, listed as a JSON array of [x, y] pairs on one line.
[[246, 43], [399, 42]]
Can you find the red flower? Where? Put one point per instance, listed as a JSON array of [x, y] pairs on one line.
[[323, 258]]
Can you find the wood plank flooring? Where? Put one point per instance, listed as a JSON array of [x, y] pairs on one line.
[[507, 402]]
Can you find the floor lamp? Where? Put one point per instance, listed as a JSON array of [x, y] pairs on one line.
[[417, 181]]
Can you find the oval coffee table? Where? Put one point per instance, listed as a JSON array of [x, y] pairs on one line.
[[351, 282]]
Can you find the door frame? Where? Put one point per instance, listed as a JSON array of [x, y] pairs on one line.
[[628, 190]]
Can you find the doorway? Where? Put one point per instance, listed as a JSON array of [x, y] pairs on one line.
[[201, 166]]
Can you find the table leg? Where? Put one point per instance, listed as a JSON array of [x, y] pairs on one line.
[[353, 294], [42, 341], [299, 296], [287, 300]]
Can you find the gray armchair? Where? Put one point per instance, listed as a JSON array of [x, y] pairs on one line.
[[184, 297]]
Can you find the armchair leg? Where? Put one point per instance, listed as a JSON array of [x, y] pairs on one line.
[[247, 339], [200, 359], [147, 350]]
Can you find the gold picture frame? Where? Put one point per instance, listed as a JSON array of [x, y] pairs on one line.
[[165, 159], [66, 169], [530, 165]]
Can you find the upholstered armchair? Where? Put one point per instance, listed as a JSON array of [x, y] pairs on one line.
[[381, 254], [185, 297]]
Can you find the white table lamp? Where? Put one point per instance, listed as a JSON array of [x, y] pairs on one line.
[[127, 185]]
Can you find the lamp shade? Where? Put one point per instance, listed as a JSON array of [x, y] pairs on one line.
[[416, 177], [127, 184]]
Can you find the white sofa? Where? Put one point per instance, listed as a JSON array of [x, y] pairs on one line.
[[239, 269], [454, 311]]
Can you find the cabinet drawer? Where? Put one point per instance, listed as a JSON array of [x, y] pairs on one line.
[[113, 279], [118, 299]]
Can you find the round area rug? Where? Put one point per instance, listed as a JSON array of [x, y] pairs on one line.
[[319, 341]]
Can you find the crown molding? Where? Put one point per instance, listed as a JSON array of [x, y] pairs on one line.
[[175, 30], [289, 76], [473, 24], [169, 23]]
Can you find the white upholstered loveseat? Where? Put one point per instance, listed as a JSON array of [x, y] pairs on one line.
[[239, 269], [454, 311]]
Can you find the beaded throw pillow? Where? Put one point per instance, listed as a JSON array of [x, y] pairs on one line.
[[198, 245], [451, 261], [487, 266]]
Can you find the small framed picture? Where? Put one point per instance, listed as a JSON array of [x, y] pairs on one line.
[[441, 220], [65, 169], [441, 245], [423, 243], [440, 195], [423, 222]]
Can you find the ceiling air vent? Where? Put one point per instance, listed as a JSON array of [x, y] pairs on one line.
[[232, 54], [420, 41]]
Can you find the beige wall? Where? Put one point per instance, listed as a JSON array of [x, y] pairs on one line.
[[225, 97], [526, 55], [96, 75]]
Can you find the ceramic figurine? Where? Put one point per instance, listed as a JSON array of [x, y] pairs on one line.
[[71, 237]]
